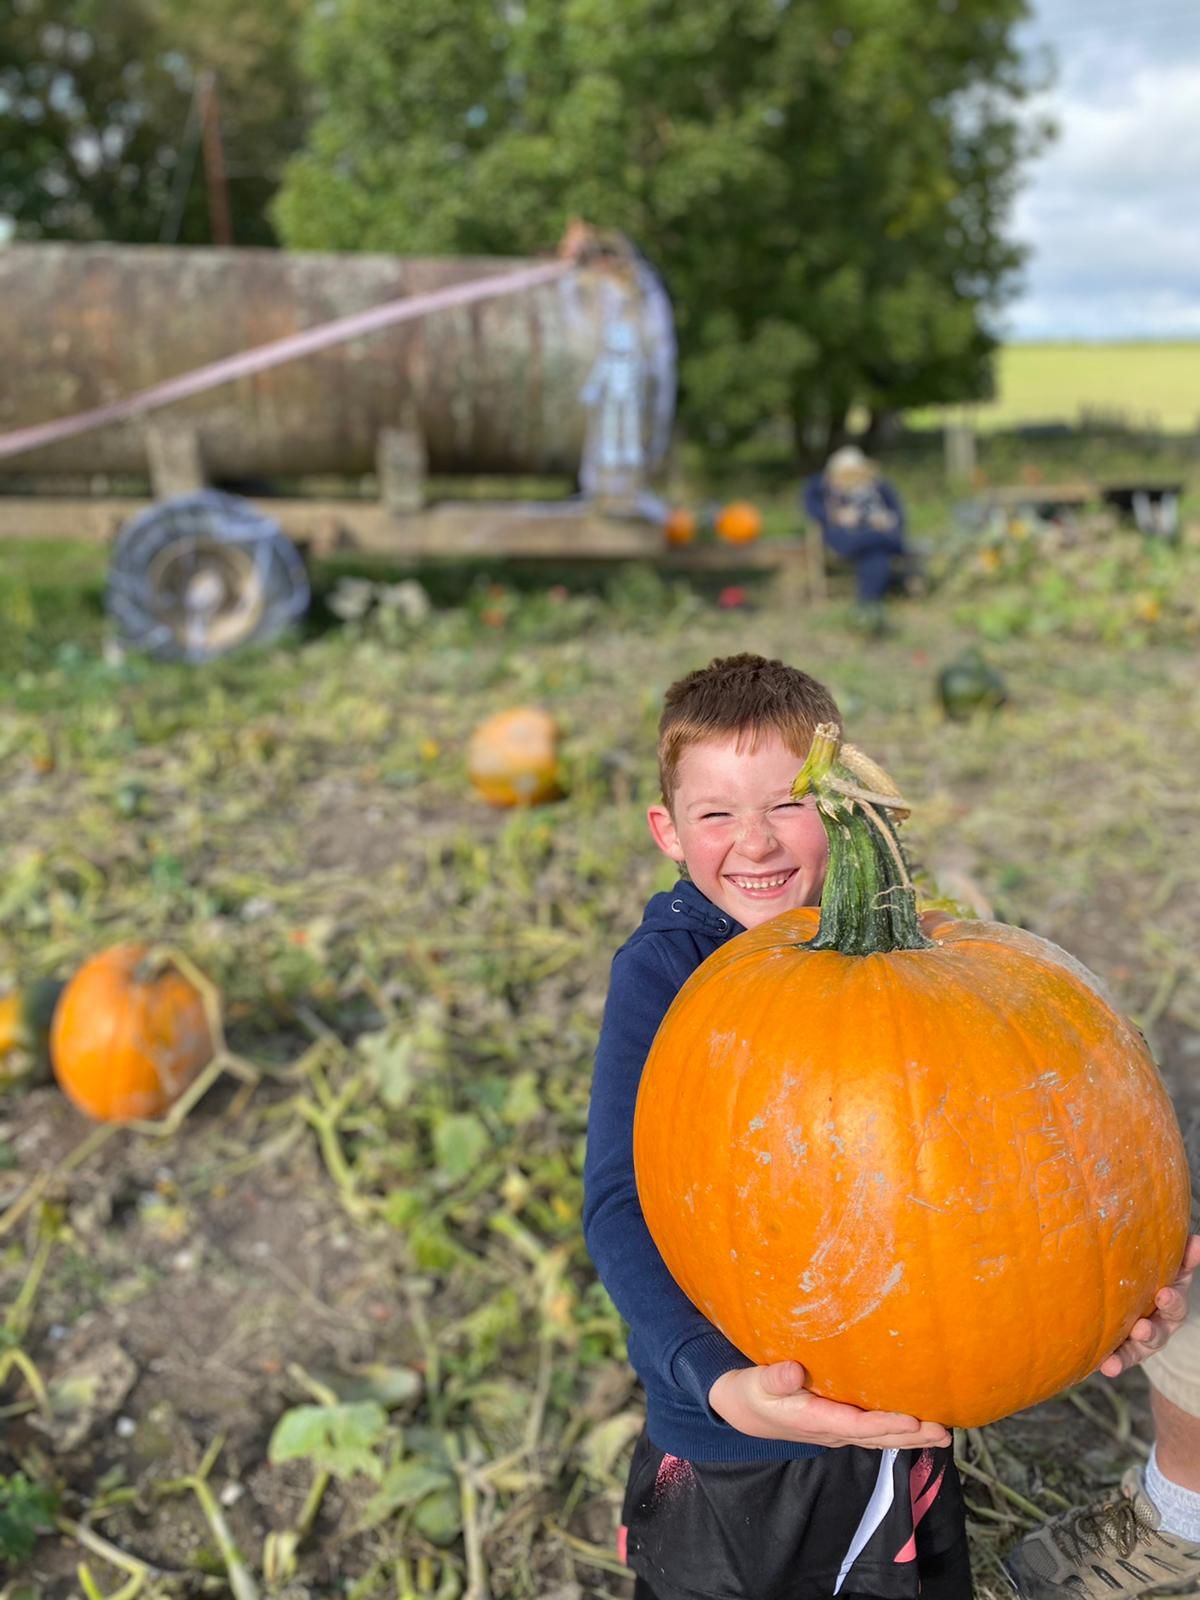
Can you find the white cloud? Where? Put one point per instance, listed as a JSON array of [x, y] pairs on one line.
[[1110, 210]]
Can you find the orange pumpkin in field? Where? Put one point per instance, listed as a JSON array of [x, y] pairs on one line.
[[129, 1035], [512, 758], [738, 523], [926, 1159], [680, 526]]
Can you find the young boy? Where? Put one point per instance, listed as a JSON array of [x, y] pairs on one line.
[[745, 1485], [739, 1488]]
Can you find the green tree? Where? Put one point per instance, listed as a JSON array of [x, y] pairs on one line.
[[824, 184], [99, 120]]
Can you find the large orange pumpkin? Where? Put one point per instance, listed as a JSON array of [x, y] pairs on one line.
[[940, 1172], [512, 758], [738, 523], [129, 1035]]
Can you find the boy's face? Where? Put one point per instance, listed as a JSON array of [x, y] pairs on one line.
[[748, 846]]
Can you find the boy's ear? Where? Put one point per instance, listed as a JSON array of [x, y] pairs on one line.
[[662, 827]]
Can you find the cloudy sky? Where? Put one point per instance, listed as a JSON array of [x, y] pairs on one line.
[[1112, 208]]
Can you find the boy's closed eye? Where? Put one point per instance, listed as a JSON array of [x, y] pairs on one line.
[[783, 805]]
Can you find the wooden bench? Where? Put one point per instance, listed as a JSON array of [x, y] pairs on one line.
[[1046, 502], [453, 531]]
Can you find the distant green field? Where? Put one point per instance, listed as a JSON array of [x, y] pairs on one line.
[[1147, 385]]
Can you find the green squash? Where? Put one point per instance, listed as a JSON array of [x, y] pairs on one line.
[[969, 684], [25, 1016]]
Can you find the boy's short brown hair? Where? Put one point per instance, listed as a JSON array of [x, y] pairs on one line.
[[744, 694]]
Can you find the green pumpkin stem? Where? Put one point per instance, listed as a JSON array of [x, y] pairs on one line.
[[869, 906]]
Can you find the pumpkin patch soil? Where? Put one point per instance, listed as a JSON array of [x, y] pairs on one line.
[[213, 1286], [393, 1210]]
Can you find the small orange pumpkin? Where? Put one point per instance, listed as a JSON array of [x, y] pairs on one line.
[[680, 526], [930, 1163], [129, 1035], [512, 758], [738, 523]]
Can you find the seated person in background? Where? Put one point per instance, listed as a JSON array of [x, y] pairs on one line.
[[861, 518]]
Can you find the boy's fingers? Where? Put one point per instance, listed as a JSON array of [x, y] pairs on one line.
[[1148, 1333], [884, 1439], [899, 1441], [854, 1424], [1170, 1308], [846, 1424], [783, 1377]]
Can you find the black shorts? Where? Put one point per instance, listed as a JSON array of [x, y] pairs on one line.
[[850, 1523]]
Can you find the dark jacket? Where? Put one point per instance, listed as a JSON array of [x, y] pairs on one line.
[[822, 501], [677, 1353]]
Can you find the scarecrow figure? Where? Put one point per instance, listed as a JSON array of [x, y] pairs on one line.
[[861, 518], [615, 457]]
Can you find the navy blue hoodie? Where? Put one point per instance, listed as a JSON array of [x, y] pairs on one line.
[[676, 1352]]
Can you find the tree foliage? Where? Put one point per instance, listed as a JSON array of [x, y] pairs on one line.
[[824, 184], [99, 126]]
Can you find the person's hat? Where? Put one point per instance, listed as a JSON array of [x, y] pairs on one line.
[[849, 465]]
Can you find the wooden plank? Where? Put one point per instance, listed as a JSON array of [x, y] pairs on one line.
[[1040, 494], [43, 517], [402, 468], [175, 458], [460, 530]]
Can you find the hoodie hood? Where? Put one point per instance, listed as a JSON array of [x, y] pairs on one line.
[[685, 909]]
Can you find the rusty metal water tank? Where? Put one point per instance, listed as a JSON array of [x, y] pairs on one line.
[[492, 388]]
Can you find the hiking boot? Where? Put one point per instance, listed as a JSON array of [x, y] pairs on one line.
[[1105, 1552]]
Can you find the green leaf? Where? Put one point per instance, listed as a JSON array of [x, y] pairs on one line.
[[402, 1208], [26, 1509], [523, 1102], [389, 1059], [404, 1484], [459, 1142], [388, 1385], [604, 1444], [439, 1516], [339, 1439]]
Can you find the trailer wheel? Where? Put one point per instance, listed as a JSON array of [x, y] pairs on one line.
[[203, 574]]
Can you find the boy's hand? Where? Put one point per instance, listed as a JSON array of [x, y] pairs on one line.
[[1149, 1334], [772, 1403]]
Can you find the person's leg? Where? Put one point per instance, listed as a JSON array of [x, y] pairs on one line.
[[873, 572], [872, 554], [943, 1577], [1171, 1477], [1177, 1434], [1114, 1550], [1148, 1536], [947, 1576]]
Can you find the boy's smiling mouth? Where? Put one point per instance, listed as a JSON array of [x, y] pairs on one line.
[[763, 884]]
